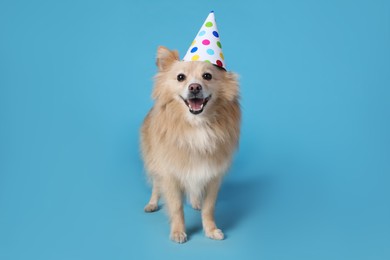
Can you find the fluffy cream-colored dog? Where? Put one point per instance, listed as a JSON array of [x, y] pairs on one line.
[[189, 136]]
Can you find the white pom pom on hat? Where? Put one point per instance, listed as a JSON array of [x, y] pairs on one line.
[[206, 45]]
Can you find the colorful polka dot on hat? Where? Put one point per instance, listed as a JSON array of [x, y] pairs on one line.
[[206, 45]]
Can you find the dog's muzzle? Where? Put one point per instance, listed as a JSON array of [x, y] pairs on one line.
[[195, 100]]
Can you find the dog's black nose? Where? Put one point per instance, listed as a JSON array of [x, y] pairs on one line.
[[194, 88]]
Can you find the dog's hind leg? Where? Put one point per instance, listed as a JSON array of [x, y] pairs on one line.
[[153, 202], [195, 197], [195, 202]]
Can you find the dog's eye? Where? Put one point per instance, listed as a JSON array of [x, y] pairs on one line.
[[181, 77], [207, 76]]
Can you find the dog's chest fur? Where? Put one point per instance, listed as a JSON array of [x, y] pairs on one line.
[[200, 138], [201, 144]]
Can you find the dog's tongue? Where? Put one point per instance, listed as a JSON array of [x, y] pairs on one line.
[[196, 103]]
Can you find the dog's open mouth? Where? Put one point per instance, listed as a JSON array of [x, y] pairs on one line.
[[196, 105]]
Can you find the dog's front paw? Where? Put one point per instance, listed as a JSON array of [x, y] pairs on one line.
[[179, 237], [216, 234], [151, 207]]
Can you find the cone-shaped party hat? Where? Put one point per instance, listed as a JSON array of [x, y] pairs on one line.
[[206, 45]]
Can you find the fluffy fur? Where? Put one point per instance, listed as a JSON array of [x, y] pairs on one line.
[[189, 152]]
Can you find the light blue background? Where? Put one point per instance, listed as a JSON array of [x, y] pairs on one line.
[[309, 181]]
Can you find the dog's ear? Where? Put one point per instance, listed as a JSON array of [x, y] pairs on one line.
[[165, 58], [230, 89]]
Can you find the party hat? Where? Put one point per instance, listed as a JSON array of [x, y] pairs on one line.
[[206, 45]]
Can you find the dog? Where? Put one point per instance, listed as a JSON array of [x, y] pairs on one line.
[[188, 138]]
